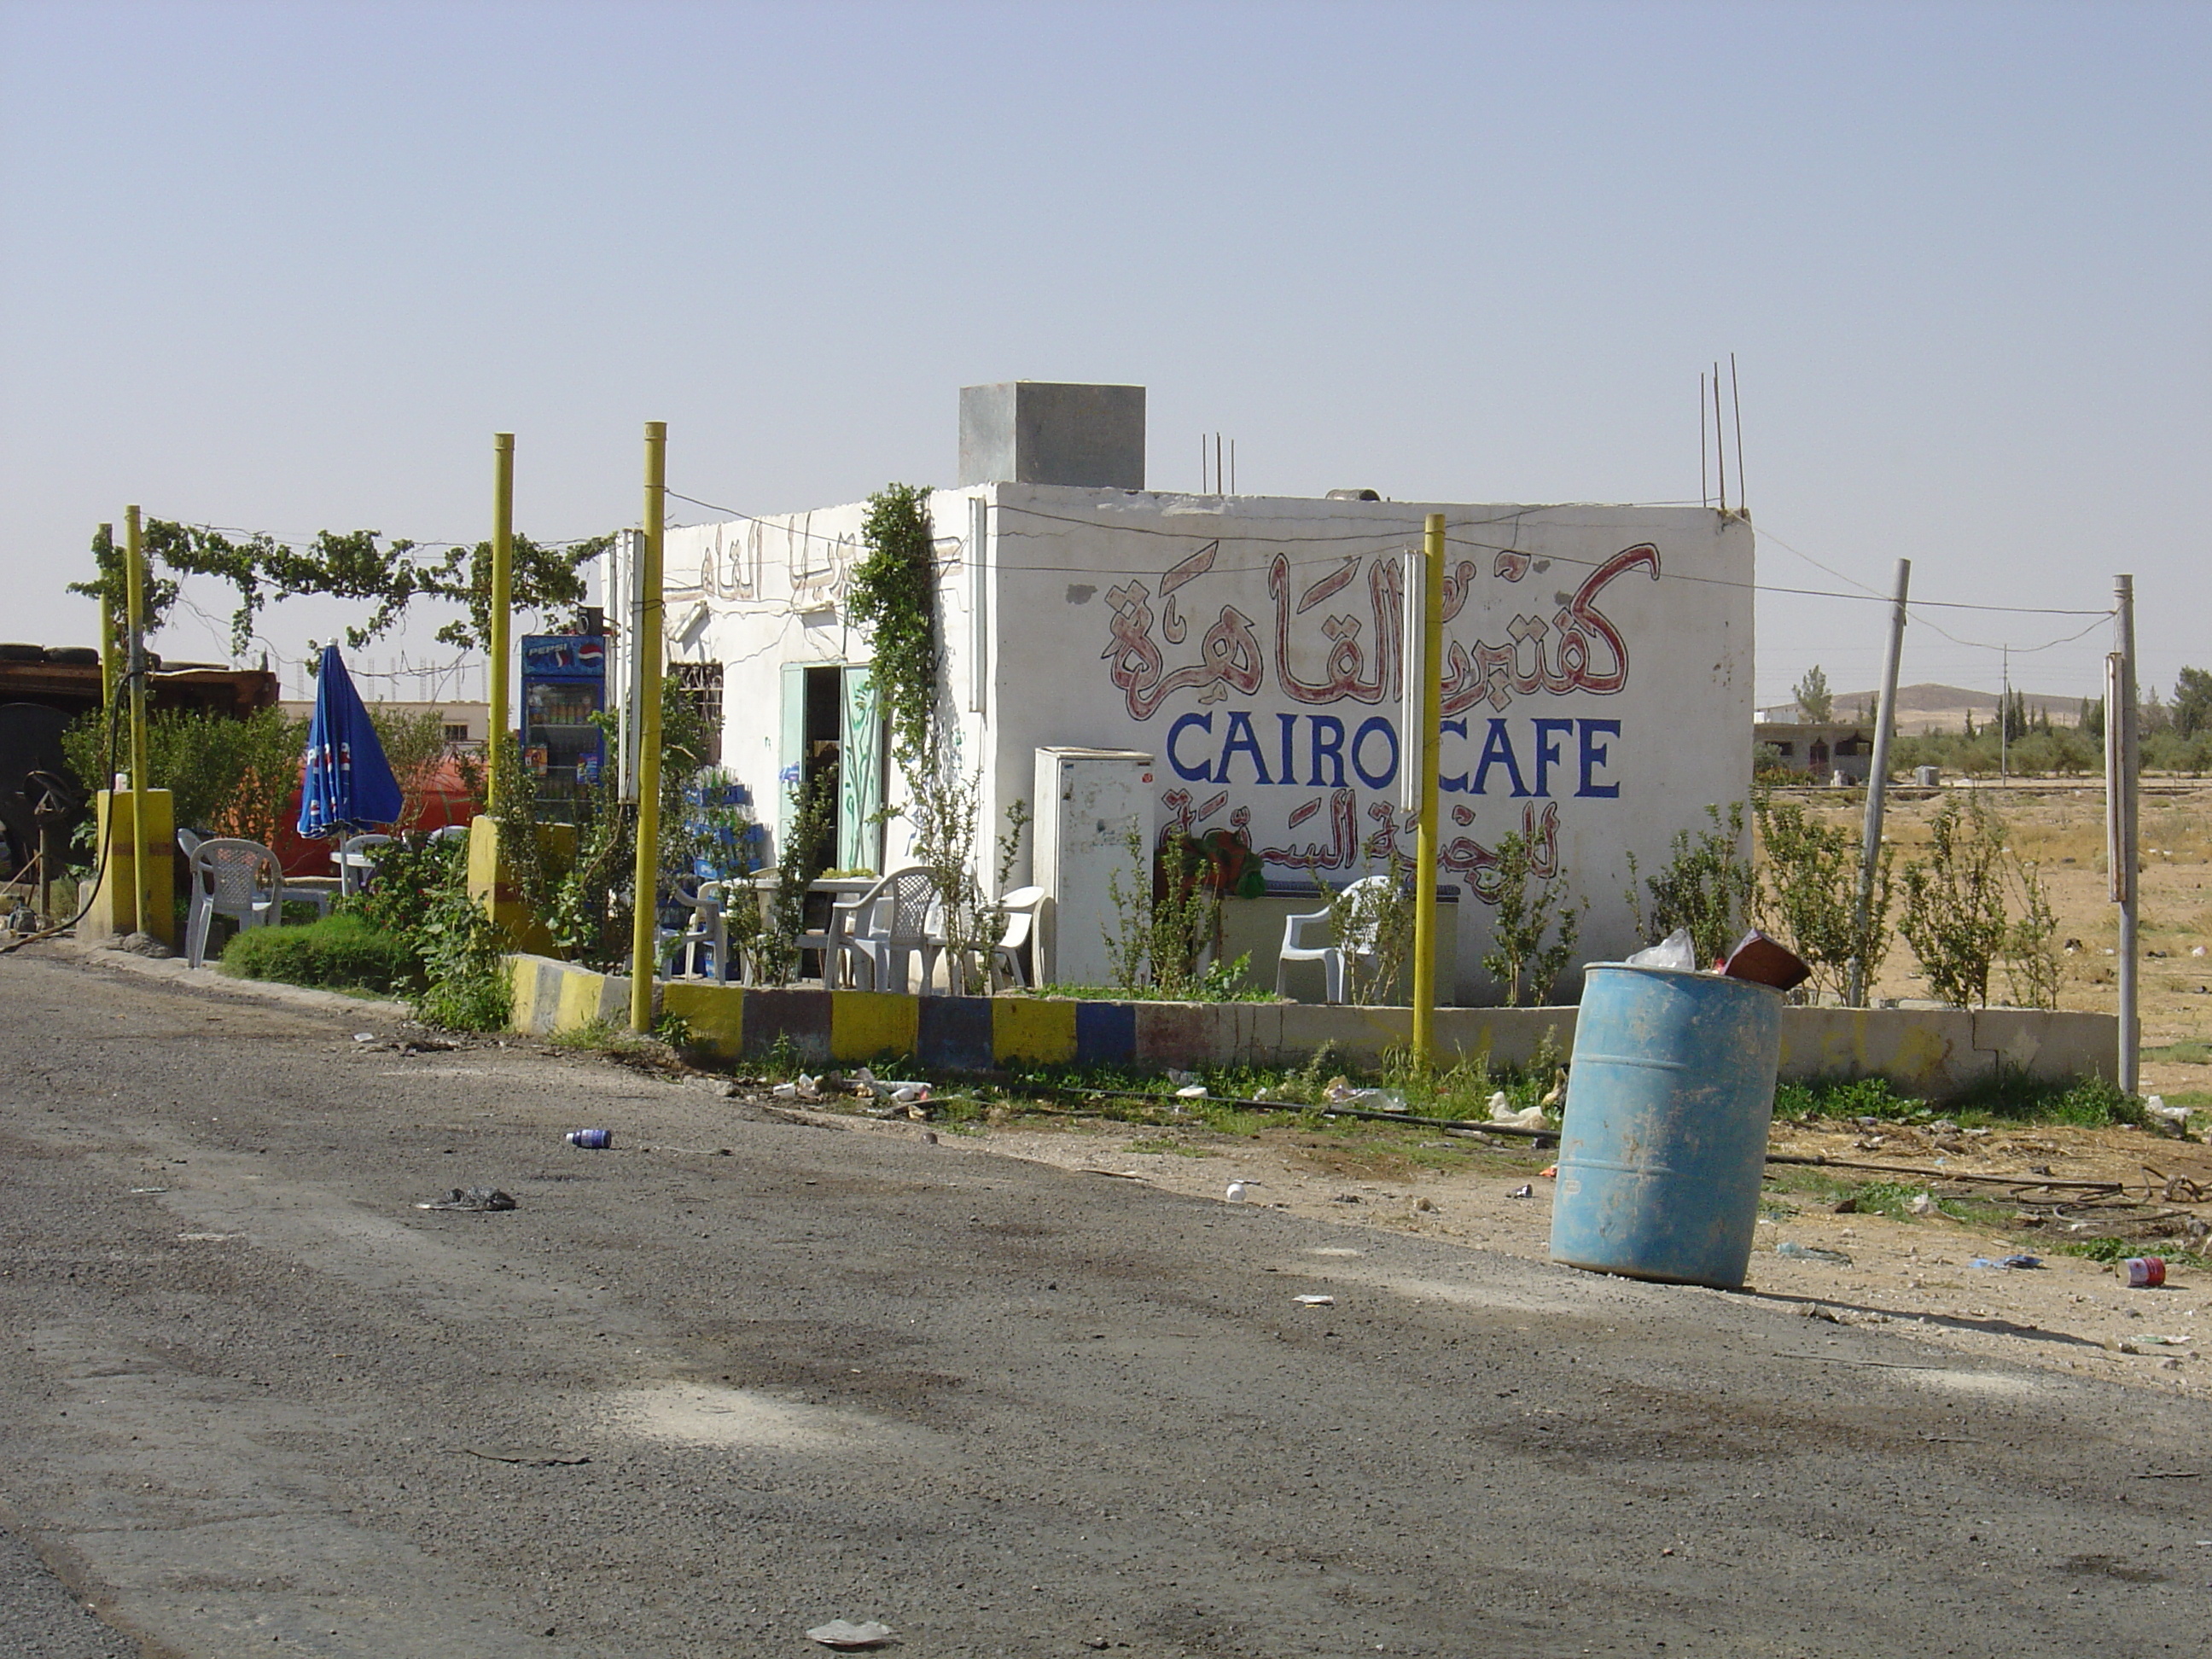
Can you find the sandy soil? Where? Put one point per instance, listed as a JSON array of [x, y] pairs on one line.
[[1913, 1276], [2060, 827]]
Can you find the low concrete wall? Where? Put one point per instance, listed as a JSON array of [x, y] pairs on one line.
[[1926, 1052]]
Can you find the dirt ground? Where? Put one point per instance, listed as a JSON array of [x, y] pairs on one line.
[[2060, 827], [1912, 1275]]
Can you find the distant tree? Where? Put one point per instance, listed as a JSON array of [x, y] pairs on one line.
[[2153, 716], [2014, 709], [2192, 702], [1814, 701], [2092, 719]]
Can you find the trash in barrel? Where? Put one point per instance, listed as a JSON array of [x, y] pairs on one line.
[[1664, 1142]]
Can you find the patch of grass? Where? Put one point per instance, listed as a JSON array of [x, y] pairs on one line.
[[2006, 1097], [2086, 1103], [1893, 1198], [2185, 1054], [1858, 1097], [605, 1036], [2100, 1249], [1168, 1144], [781, 1059], [341, 953]]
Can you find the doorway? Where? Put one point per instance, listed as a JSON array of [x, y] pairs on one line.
[[833, 738]]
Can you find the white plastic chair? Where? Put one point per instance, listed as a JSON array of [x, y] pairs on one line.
[[240, 880], [707, 927], [826, 944], [353, 863], [886, 926], [1019, 908], [1359, 939], [451, 832]]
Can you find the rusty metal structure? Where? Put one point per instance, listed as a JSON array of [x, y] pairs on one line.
[[42, 688]]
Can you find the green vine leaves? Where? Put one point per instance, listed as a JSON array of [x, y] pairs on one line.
[[357, 564], [892, 592]]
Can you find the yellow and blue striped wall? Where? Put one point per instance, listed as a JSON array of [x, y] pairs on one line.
[[1928, 1051]]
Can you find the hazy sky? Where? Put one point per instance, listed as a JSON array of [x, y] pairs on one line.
[[288, 267]]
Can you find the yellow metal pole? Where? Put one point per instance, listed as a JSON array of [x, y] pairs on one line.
[[135, 592], [105, 542], [1424, 742], [502, 599], [644, 917]]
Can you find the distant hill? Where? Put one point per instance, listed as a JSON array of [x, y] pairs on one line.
[[1927, 708]]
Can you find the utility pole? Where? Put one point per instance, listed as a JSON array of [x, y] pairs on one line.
[[1878, 784], [2122, 854], [2004, 722], [646, 900], [503, 602], [135, 596], [1425, 848]]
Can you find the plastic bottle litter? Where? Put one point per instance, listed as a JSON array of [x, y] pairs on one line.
[[905, 1091], [1677, 951], [1797, 1252], [1524, 1190], [2008, 1261], [1317, 1301], [2176, 1117], [2144, 1273], [803, 1088], [1191, 1092], [1339, 1092], [592, 1141]]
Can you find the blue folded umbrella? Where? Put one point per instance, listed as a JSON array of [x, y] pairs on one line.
[[348, 787]]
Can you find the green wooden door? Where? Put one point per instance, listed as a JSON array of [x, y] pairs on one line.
[[860, 774]]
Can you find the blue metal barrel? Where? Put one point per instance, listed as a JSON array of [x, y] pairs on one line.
[[1664, 1142]]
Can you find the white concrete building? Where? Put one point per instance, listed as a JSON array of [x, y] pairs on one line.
[[1597, 681]]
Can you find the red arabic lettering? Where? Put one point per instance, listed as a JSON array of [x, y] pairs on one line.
[[1346, 660], [1494, 673], [1479, 863], [1343, 851]]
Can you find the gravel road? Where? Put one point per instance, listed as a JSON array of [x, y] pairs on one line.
[[738, 1376]]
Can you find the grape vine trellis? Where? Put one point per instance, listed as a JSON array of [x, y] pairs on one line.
[[355, 564]]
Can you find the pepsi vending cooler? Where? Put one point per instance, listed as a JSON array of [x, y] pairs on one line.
[[564, 684]]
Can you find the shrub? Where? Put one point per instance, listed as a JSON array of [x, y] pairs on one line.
[[463, 954], [343, 951], [1706, 887], [1164, 928], [1519, 960], [1807, 896], [420, 897], [227, 777], [1971, 905]]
